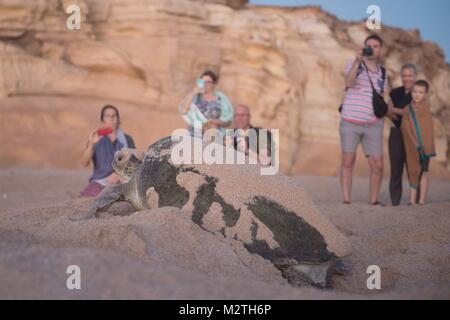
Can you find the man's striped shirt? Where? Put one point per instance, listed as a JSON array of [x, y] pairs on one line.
[[357, 106]]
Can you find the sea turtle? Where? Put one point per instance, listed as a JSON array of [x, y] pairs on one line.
[[302, 244]]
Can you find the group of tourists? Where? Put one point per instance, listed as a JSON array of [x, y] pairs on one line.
[[204, 106], [367, 102], [411, 139]]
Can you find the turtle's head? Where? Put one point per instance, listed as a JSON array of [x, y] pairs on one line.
[[126, 161]]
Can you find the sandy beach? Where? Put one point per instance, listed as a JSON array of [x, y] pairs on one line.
[[160, 254], [216, 234]]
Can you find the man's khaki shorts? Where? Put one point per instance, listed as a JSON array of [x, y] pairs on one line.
[[369, 135]]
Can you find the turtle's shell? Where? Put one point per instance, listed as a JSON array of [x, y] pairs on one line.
[[296, 238]]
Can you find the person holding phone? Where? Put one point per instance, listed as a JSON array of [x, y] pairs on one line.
[[100, 148], [205, 106]]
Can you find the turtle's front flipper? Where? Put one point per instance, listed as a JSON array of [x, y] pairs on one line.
[[103, 202]]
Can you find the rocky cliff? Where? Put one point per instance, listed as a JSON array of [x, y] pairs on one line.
[[144, 55]]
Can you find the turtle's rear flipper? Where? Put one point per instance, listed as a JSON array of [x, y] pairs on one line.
[[103, 202], [301, 274]]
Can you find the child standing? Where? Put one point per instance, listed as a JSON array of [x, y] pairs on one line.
[[417, 129]]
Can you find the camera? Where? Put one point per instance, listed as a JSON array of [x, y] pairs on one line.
[[367, 52]]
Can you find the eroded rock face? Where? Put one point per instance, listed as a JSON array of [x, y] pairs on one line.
[[144, 55]]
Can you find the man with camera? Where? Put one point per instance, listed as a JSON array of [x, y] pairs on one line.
[[361, 120]]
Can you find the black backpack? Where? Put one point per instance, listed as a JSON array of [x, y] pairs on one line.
[[380, 107]]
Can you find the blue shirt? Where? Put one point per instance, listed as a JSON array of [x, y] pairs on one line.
[[104, 151]]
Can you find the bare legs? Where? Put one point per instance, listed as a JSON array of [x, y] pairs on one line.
[[348, 162], [376, 176], [424, 185]]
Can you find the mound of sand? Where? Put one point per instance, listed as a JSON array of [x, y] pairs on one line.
[[161, 253]]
